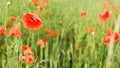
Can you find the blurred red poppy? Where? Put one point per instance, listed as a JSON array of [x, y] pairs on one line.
[[32, 21], [83, 14], [24, 59], [56, 35], [44, 4], [15, 32], [107, 1], [36, 2], [104, 16], [28, 57], [49, 32], [106, 39], [109, 31], [13, 19], [25, 47], [90, 30], [26, 50], [2, 31], [116, 36], [105, 5], [97, 23], [41, 42]]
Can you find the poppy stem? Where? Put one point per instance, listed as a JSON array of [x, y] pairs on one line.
[[28, 40], [6, 38], [6, 15], [27, 65]]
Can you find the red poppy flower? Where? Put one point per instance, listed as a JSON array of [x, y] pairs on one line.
[[14, 31], [31, 21], [17, 33], [28, 59], [104, 16], [36, 2], [109, 31], [106, 39], [41, 42], [105, 5], [97, 23], [56, 35], [44, 4], [49, 32], [107, 1], [116, 36], [83, 14], [26, 50], [25, 47], [13, 19], [90, 30], [24, 59], [2, 31]]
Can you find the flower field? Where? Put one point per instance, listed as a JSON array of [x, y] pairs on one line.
[[59, 34]]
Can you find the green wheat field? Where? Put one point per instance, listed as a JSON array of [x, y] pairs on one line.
[[59, 34]]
